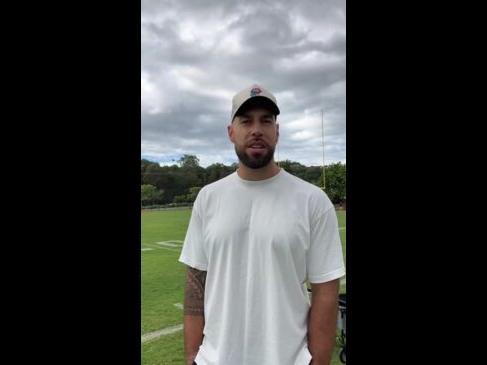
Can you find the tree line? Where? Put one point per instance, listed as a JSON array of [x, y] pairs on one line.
[[181, 182]]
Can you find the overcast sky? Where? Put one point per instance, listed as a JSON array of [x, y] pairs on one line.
[[197, 54]]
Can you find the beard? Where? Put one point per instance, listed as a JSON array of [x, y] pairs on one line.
[[255, 162]]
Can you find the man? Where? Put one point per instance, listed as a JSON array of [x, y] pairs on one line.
[[255, 237]]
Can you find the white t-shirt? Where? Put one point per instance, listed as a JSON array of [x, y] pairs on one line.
[[259, 241]]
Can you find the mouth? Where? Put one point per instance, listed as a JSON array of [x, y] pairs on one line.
[[257, 147]]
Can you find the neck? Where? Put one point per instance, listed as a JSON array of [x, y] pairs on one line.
[[266, 172]]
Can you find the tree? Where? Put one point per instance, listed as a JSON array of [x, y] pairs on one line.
[[313, 174], [144, 165], [149, 194], [193, 193], [153, 175], [180, 199], [184, 181], [215, 172], [335, 182], [294, 168], [189, 161]]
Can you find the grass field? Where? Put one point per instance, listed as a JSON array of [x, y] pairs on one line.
[[163, 283]]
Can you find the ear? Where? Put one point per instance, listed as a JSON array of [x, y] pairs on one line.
[[277, 132], [230, 132]]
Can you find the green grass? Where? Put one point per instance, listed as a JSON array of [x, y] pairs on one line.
[[163, 284], [166, 350], [164, 225], [342, 222], [169, 350], [162, 274]]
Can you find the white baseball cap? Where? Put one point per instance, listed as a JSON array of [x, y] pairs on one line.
[[254, 95]]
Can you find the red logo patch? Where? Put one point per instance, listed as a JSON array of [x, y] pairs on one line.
[[255, 91]]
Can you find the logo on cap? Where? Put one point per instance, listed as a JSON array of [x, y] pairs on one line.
[[255, 91]]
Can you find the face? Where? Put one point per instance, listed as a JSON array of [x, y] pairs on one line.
[[255, 135]]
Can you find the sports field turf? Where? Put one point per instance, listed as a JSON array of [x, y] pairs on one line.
[[163, 283]]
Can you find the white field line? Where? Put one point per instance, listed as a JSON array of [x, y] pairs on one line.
[[147, 249], [165, 331], [157, 245], [169, 244]]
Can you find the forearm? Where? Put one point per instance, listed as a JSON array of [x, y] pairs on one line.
[[193, 336], [194, 318], [322, 324]]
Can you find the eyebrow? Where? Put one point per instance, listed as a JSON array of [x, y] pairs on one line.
[[269, 115]]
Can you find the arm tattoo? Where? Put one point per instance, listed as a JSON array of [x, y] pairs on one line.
[[195, 292]]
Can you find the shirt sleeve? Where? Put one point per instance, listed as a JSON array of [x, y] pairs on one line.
[[193, 252], [325, 257]]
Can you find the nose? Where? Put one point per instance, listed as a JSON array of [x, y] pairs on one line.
[[256, 130]]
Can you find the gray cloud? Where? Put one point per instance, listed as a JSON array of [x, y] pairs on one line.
[[196, 55]]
